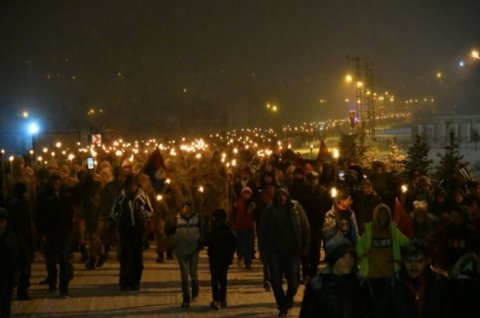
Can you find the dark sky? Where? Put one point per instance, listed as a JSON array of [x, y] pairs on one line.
[[162, 60]]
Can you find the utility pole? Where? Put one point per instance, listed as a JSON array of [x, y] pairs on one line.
[[370, 98], [365, 93]]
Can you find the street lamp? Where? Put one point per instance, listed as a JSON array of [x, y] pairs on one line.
[[475, 54], [32, 129]]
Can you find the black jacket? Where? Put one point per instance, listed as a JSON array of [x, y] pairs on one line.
[[221, 243], [400, 302], [55, 214], [333, 296]]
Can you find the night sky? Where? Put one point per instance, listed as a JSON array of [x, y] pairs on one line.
[[164, 63]]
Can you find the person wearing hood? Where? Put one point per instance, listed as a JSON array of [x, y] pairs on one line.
[[131, 209], [338, 290], [379, 246], [189, 232], [284, 236]]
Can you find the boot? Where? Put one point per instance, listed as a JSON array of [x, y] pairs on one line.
[[83, 252], [195, 291], [90, 264], [169, 254], [160, 258], [101, 260]]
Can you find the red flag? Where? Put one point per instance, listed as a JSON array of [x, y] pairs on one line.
[[322, 151], [404, 222]]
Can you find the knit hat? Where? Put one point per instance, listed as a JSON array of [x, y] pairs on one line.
[[337, 247], [3, 214], [247, 189]]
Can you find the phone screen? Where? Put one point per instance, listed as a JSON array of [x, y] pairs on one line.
[[90, 163]]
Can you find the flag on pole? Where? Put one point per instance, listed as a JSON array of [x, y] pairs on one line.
[[154, 163], [322, 151]]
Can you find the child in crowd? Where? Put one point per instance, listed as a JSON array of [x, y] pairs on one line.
[[221, 243]]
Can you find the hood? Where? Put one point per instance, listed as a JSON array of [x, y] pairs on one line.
[[377, 210]]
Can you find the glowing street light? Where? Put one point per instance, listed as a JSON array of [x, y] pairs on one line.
[[33, 128], [348, 78], [475, 54]]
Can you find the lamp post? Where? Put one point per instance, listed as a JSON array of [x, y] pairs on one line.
[[33, 129]]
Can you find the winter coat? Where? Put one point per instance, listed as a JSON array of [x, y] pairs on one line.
[[364, 244], [333, 296], [301, 227], [131, 214], [332, 224], [55, 214], [400, 301], [189, 233], [221, 242], [132, 211], [10, 259]]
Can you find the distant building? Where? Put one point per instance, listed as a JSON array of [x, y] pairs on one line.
[[436, 129]]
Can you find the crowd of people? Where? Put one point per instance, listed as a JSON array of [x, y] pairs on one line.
[[389, 250]]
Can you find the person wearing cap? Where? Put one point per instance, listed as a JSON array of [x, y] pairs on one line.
[[10, 261], [131, 209], [338, 290], [221, 242], [245, 180], [284, 236], [189, 230], [415, 290], [453, 239]]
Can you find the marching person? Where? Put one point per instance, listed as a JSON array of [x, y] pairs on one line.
[[132, 208], [189, 232], [221, 242], [338, 290], [284, 238]]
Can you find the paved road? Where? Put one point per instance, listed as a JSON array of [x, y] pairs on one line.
[[96, 293]]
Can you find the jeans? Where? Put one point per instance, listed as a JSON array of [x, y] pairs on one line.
[[311, 260], [218, 272], [245, 242], [131, 261], [58, 251], [288, 267], [189, 266]]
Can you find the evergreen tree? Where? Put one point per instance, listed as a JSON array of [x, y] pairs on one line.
[[348, 148], [395, 157], [352, 147], [417, 157], [451, 161]]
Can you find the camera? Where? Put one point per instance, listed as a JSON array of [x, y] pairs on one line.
[[90, 163]]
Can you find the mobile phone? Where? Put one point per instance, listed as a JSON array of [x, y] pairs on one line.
[[90, 163]]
